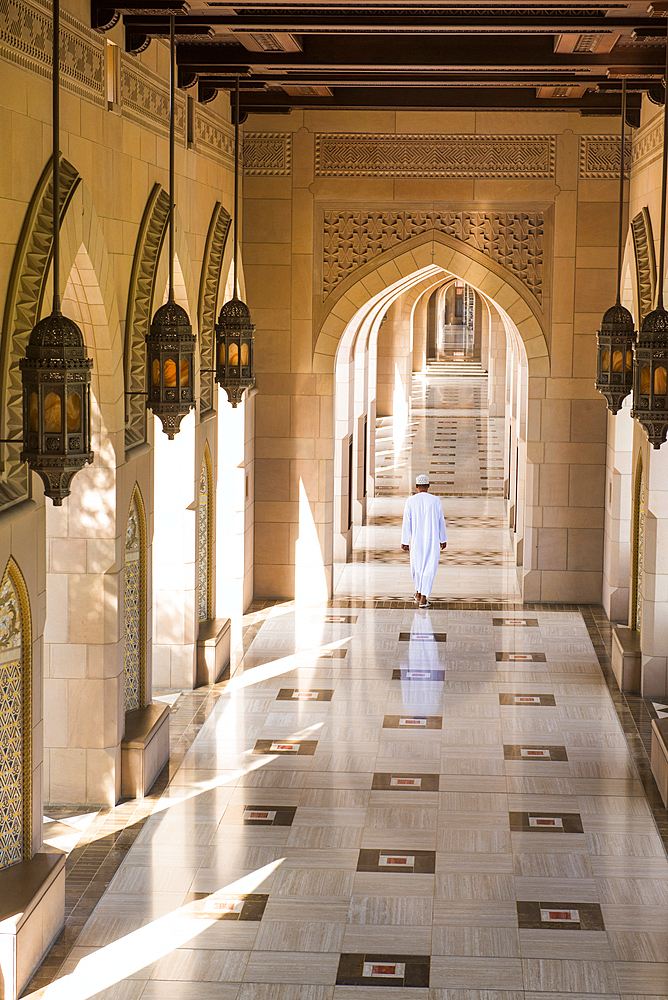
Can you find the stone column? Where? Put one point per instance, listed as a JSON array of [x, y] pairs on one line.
[[618, 510], [654, 626]]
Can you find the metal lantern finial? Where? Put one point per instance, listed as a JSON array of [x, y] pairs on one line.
[[55, 372], [234, 329], [650, 354], [170, 342], [617, 335]]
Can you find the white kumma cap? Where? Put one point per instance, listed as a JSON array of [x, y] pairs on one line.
[[422, 479]]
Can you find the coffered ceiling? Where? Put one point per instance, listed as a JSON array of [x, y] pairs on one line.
[[440, 55]]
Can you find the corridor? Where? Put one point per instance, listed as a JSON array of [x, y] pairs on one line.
[[441, 803]]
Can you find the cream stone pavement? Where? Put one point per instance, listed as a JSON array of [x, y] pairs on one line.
[[437, 805]]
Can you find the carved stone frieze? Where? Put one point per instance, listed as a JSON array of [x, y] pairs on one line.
[[138, 319], [213, 136], [25, 39], [23, 308], [643, 244], [371, 155], [647, 143], [208, 297], [145, 99], [599, 156], [512, 239], [267, 154]]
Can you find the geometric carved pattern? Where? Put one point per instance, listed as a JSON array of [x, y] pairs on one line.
[[599, 156], [643, 244], [512, 239], [204, 538], [15, 719], [23, 307], [389, 155], [267, 154], [145, 98], [213, 136], [25, 39], [140, 298], [647, 142], [134, 605], [208, 299]]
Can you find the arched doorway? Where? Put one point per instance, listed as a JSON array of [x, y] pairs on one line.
[[15, 718]]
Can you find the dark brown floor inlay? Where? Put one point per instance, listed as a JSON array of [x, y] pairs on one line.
[[412, 722], [519, 657], [552, 822], [515, 622], [337, 620], [398, 781], [383, 970], [415, 674], [301, 694], [391, 861], [531, 751], [332, 654], [267, 815], [422, 637], [218, 906], [301, 748], [560, 916], [538, 700]]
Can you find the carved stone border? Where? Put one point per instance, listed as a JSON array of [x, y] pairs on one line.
[[341, 154], [212, 263], [25, 39], [23, 309], [599, 156], [643, 245], [267, 154], [213, 136], [138, 319], [647, 143], [145, 99]]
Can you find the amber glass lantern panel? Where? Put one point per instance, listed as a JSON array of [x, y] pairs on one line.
[[605, 361], [645, 382], [185, 373], [74, 412], [233, 355], [53, 416], [660, 381]]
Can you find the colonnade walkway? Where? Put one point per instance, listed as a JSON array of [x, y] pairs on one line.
[[432, 805]]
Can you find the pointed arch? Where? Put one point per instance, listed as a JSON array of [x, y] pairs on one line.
[[15, 717], [134, 604], [150, 239], [212, 267], [417, 255], [205, 538], [638, 546], [643, 246], [23, 309]]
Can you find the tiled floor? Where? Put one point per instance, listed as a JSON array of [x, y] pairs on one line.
[[435, 805]]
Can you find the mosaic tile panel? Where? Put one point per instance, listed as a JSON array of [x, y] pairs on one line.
[[11, 728], [133, 610], [203, 544]]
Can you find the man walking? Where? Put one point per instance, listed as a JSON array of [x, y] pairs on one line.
[[423, 534]]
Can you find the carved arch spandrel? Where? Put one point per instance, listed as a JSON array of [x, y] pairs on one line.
[[23, 309], [454, 257], [138, 318], [212, 266], [643, 245]]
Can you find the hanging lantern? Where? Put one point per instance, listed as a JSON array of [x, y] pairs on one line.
[[56, 404], [170, 342], [170, 358], [234, 350], [55, 372], [617, 336], [650, 392], [614, 369], [234, 329]]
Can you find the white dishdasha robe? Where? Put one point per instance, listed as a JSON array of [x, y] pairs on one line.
[[424, 530]]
